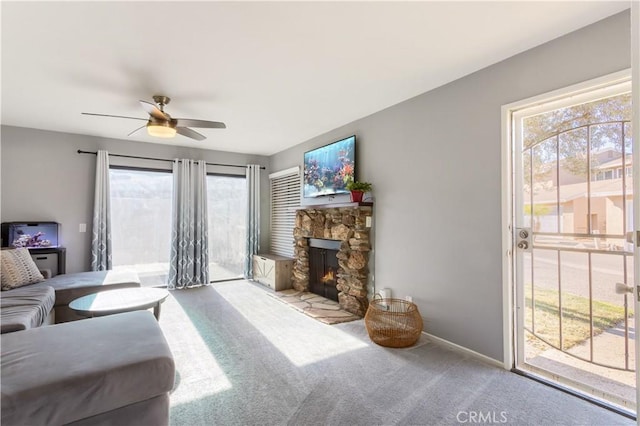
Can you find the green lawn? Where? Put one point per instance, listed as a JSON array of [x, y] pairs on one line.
[[575, 316]]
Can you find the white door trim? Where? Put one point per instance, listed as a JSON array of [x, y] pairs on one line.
[[507, 170], [635, 121]]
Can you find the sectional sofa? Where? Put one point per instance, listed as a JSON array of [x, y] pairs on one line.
[[47, 302], [56, 369]]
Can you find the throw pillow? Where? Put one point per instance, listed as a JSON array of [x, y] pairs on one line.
[[17, 268]]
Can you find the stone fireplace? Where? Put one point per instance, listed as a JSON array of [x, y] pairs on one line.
[[347, 228]]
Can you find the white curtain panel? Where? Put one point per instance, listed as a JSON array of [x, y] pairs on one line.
[[101, 236], [253, 218], [189, 261]]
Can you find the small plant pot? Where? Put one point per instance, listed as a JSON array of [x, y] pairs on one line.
[[356, 196]]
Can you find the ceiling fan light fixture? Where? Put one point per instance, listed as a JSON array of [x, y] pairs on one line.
[[159, 124], [161, 130]]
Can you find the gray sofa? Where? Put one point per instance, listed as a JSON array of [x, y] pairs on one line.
[[113, 370], [31, 305], [71, 286], [26, 307]]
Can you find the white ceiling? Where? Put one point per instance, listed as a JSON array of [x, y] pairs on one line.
[[276, 73]]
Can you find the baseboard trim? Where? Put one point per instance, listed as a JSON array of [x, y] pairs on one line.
[[467, 351]]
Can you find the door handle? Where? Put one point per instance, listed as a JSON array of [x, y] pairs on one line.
[[629, 237], [622, 288], [523, 245]]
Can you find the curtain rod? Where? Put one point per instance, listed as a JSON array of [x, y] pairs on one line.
[[160, 159]]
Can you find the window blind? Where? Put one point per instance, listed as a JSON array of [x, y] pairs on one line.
[[285, 197]]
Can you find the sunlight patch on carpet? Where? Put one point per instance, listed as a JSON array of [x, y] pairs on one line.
[[301, 339], [201, 375]]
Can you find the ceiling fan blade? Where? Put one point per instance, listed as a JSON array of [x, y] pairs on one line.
[[203, 124], [185, 131], [114, 116], [154, 111], [137, 130]]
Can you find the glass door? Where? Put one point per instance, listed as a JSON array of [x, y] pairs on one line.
[[573, 207], [227, 210], [141, 222]]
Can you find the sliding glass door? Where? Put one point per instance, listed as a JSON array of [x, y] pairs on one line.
[[141, 202], [227, 208], [141, 222]]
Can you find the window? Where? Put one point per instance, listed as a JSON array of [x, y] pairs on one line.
[[285, 197], [141, 222], [227, 210]]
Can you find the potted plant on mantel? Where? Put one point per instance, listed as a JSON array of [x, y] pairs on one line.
[[358, 189]]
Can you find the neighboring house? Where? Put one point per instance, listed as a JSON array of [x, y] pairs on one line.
[[603, 166], [609, 204], [613, 169]]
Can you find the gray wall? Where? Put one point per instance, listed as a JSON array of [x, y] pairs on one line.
[[45, 179], [435, 162]]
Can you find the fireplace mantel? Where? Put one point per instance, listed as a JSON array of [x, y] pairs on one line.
[[350, 224], [334, 205]]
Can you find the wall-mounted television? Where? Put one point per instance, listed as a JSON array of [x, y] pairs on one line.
[[328, 169]]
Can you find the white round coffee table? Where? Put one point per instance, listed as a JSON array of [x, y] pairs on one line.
[[121, 300]]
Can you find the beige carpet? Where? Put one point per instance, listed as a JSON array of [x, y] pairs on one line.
[[244, 358]]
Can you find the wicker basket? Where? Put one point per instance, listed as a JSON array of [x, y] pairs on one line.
[[394, 323]]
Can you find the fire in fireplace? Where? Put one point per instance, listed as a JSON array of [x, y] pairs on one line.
[[323, 267], [329, 276]]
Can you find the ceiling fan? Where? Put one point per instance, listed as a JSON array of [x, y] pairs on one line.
[[162, 125]]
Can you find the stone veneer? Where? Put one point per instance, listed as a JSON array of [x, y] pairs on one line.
[[347, 224]]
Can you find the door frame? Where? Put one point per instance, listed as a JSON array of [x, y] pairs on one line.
[[508, 187], [635, 120]]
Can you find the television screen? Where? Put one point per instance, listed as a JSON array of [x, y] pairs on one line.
[[328, 169]]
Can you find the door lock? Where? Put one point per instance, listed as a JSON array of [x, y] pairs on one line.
[[523, 239]]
